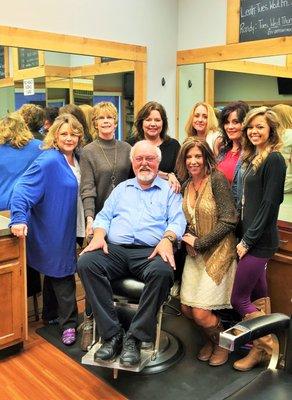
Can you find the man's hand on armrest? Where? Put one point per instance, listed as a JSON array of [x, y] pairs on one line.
[[97, 242]]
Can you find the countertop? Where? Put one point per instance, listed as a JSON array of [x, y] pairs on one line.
[[4, 230]]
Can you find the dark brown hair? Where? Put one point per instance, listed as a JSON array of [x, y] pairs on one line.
[[208, 156], [144, 113]]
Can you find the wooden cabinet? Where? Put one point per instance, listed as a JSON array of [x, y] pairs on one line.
[[13, 315], [280, 272]]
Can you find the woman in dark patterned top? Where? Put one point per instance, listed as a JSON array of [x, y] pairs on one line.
[[151, 124], [262, 193], [211, 261]]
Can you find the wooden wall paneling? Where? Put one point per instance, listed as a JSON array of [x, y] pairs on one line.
[[140, 77], [209, 86], [257, 48], [232, 22], [26, 38]]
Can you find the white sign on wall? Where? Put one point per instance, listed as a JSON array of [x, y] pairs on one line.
[[28, 87]]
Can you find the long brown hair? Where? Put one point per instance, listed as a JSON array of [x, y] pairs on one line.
[[208, 156]]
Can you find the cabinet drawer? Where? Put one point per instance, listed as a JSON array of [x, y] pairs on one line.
[[285, 240], [9, 248]]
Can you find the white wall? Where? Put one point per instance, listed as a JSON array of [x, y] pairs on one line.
[[151, 23], [201, 23]]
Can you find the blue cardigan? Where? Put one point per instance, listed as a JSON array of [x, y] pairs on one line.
[[45, 198], [13, 163]]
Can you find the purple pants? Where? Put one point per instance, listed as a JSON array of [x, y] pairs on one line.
[[250, 284]]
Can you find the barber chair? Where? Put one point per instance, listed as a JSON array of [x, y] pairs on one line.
[[275, 382], [155, 357]]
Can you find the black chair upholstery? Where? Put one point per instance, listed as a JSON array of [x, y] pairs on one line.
[[274, 383]]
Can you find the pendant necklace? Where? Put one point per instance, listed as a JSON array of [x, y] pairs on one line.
[[114, 165]]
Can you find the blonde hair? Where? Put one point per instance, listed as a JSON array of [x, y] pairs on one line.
[[14, 131], [50, 141], [274, 140], [212, 122], [102, 108], [88, 113], [284, 113]]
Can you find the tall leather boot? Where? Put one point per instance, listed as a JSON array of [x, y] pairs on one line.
[[260, 352], [219, 355], [263, 304]]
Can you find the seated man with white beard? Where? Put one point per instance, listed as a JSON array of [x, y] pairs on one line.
[[133, 235]]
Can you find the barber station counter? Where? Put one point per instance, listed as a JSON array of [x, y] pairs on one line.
[[279, 273], [13, 306]]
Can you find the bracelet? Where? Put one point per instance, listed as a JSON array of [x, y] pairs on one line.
[[244, 244]]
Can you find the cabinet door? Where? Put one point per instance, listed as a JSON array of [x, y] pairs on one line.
[[11, 329], [12, 288]]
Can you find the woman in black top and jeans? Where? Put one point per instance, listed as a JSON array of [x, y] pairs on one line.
[[262, 193]]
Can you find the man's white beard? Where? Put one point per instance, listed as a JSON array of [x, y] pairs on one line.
[[146, 176]]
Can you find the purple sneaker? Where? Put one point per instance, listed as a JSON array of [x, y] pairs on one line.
[[69, 336]]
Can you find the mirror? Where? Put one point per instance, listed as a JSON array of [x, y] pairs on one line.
[[71, 69], [254, 80]]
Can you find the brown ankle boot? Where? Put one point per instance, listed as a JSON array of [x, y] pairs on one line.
[[206, 351], [260, 352], [219, 355]]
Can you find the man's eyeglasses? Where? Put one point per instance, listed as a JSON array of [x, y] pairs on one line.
[[149, 159]]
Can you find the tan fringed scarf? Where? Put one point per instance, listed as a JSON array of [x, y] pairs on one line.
[[202, 220]]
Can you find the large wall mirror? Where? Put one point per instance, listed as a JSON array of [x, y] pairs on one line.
[[254, 72], [68, 69]]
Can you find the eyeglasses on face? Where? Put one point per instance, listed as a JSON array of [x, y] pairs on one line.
[[149, 159]]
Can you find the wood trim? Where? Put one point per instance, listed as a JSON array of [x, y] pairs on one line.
[[247, 67], [6, 82], [257, 48], [177, 105], [140, 77], [57, 72], [6, 62], [232, 21], [18, 37], [209, 86], [41, 58], [29, 73], [257, 103], [112, 67]]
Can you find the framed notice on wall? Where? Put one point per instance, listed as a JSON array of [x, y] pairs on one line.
[[2, 63], [264, 19], [28, 58]]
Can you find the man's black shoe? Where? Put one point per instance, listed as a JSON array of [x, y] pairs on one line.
[[130, 354], [110, 348]]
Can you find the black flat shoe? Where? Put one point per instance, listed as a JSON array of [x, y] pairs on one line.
[[131, 352], [110, 348]]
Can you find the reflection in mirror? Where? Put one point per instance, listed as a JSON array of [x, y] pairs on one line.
[[254, 81], [61, 78]]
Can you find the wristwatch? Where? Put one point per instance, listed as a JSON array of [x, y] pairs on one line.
[[170, 238]]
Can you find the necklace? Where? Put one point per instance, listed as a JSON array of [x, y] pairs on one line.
[[197, 186], [114, 165]]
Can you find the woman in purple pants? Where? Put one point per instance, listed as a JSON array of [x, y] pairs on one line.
[[263, 178]]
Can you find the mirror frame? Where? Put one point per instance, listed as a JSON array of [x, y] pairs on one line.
[[134, 57], [230, 51]]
